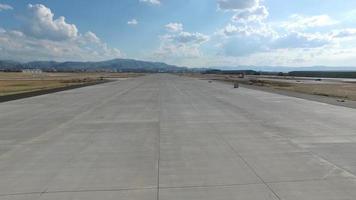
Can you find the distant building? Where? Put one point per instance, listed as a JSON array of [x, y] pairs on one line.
[[32, 71]]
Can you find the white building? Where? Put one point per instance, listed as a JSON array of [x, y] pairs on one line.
[[32, 71]]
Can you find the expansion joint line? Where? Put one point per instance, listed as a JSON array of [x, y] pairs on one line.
[[237, 154], [159, 135]]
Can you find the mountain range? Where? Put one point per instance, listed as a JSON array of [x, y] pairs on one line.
[[122, 65], [131, 65]]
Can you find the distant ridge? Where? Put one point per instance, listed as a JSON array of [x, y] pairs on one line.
[[124, 65]]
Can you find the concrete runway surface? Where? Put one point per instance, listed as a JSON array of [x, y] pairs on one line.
[[174, 138]]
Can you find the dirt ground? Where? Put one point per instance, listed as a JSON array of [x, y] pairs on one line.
[[15, 83]]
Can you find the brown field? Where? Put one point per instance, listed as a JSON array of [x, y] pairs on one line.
[[343, 90], [15, 83], [339, 90]]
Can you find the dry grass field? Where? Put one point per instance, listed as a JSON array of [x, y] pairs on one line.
[[15, 83], [338, 89]]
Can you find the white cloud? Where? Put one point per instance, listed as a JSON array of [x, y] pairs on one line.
[[132, 22], [91, 37], [186, 37], [40, 23], [174, 27], [250, 39], [153, 2], [18, 46], [5, 7], [256, 29], [168, 51], [248, 20], [44, 38], [249, 15], [249, 34], [344, 33], [301, 40], [237, 4], [179, 44], [300, 22], [242, 43], [230, 30]]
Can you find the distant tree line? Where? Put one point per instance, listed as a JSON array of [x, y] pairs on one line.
[[231, 72], [323, 74]]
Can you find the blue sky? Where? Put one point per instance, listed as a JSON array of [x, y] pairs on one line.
[[193, 33]]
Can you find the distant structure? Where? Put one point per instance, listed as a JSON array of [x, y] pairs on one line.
[[32, 71], [241, 75]]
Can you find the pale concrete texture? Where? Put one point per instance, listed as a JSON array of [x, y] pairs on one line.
[[168, 137]]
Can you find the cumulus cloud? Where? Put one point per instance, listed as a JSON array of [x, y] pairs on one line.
[[170, 51], [301, 22], [52, 39], [237, 4], [258, 29], [183, 44], [258, 13], [300, 40], [18, 46], [40, 23], [132, 22], [248, 20], [344, 33], [91, 38], [153, 2], [230, 30], [243, 42], [186, 37], [248, 32], [5, 7], [174, 27], [179, 43]]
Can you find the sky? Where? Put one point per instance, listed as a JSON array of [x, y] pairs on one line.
[[192, 33]]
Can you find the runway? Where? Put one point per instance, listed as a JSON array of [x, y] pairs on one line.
[[175, 138]]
